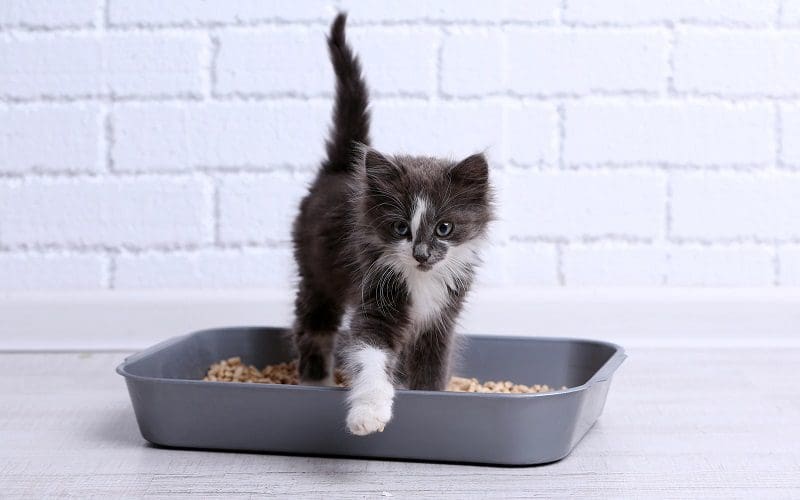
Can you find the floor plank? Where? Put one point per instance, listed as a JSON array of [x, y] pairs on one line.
[[709, 423]]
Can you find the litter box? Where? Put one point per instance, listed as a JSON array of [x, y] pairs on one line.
[[175, 408]]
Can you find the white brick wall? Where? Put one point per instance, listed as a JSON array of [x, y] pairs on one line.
[[790, 145], [212, 268], [613, 264], [220, 135], [745, 265], [246, 66], [789, 259], [24, 271], [87, 65], [670, 132], [73, 136], [442, 128], [576, 204], [578, 61], [186, 13], [735, 63], [96, 212], [151, 144], [790, 11], [736, 205], [760, 13], [258, 209], [47, 13]]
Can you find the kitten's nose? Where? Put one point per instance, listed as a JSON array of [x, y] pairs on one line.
[[421, 253]]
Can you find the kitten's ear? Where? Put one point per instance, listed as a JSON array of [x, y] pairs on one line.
[[473, 170], [380, 168]]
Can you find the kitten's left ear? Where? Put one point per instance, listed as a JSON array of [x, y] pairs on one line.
[[380, 168], [472, 170]]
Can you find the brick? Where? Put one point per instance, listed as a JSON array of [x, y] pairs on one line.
[[737, 62], [259, 208], [47, 13], [452, 10], [558, 61], [530, 265], [251, 268], [531, 134], [215, 12], [790, 137], [398, 60], [286, 60], [613, 265], [472, 62], [51, 272], [50, 138], [739, 265], [790, 13], [735, 205], [705, 134], [789, 265], [553, 61], [105, 211], [183, 136], [675, 11], [584, 203], [78, 65], [445, 129]]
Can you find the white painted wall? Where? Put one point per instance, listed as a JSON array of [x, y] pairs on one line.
[[165, 144]]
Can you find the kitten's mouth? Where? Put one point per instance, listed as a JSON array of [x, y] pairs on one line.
[[424, 267]]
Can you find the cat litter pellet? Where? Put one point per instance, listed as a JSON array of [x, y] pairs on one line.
[[233, 370]]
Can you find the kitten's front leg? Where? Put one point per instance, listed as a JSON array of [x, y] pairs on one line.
[[377, 331], [371, 388], [427, 362]]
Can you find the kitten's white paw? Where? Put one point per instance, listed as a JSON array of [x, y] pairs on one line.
[[366, 418], [371, 392]]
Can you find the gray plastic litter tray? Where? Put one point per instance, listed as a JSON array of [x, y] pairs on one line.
[[175, 408]]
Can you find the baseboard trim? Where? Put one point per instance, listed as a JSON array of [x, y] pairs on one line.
[[130, 320]]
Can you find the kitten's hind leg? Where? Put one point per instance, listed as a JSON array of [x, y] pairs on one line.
[[316, 364], [316, 324]]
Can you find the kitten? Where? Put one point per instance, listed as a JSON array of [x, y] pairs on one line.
[[395, 239]]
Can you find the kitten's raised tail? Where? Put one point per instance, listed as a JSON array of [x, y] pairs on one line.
[[350, 113]]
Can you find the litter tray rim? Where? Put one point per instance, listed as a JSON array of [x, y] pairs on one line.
[[602, 374]]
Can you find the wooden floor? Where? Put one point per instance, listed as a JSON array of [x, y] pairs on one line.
[[679, 423]]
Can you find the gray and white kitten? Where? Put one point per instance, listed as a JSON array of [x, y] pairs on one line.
[[395, 239]]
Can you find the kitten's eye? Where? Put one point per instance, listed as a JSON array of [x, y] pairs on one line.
[[444, 229], [400, 228]]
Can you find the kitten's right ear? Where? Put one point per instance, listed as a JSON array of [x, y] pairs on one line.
[[474, 170], [380, 168]]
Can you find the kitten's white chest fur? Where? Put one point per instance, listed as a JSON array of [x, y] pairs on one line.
[[428, 294]]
